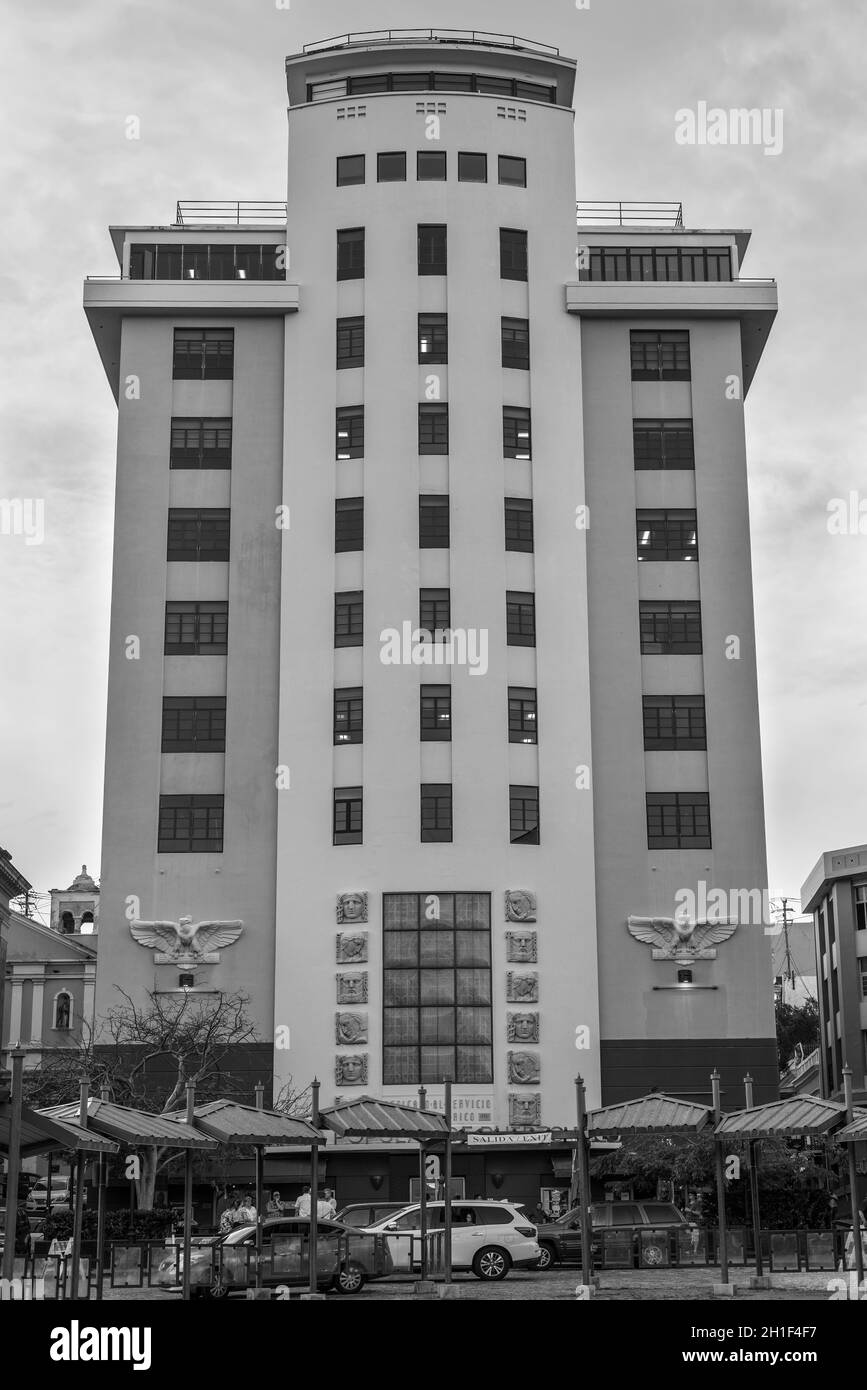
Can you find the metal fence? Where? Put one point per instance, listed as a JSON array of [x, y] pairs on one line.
[[647, 1248]]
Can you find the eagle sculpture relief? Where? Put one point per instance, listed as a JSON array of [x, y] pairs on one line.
[[680, 938], [186, 939]]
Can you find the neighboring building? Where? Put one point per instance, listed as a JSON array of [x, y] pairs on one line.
[[835, 892], [50, 976], [12, 882], [403, 433], [794, 962], [803, 1075]]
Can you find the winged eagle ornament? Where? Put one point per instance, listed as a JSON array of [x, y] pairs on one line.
[[186, 942], [679, 938]]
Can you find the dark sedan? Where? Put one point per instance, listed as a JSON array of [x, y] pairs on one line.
[[560, 1240]]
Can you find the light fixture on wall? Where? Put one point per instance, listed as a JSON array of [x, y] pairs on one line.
[[497, 1179], [376, 1180]]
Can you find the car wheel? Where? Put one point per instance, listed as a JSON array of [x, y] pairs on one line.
[[491, 1263], [218, 1290], [652, 1255], [547, 1257], [349, 1279]]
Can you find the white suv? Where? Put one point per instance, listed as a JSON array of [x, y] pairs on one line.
[[488, 1237]]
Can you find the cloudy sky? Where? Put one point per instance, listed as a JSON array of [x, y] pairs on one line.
[[205, 79]]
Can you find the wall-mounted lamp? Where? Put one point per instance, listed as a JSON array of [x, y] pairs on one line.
[[376, 1180]]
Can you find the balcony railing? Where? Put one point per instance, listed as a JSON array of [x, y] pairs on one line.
[[794, 1073], [193, 212], [630, 214], [371, 36]]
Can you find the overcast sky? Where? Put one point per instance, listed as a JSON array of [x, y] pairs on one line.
[[205, 78]]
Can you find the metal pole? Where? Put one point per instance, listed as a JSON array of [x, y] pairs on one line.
[[720, 1180], [314, 1191], [83, 1092], [14, 1161], [754, 1183], [583, 1182], [447, 1209], [188, 1186], [100, 1210], [853, 1181], [260, 1168], [422, 1190]]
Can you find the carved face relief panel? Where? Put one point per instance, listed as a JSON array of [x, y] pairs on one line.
[[522, 1028], [352, 989], [351, 1070], [521, 946], [524, 1068], [525, 1110], [351, 907], [351, 947], [522, 989], [351, 1029], [520, 905]]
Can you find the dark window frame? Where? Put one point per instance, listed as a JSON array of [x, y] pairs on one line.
[[351, 416], [515, 343], [398, 155], [514, 254], [349, 618], [204, 616], [524, 815], [670, 627], [502, 161], [201, 535], [348, 524], [434, 521], [660, 354], [519, 524], [347, 820], [436, 813], [345, 160], [663, 444], [203, 812], [672, 534], [348, 715], [350, 342], [435, 714], [203, 731], [194, 449], [433, 427], [520, 619], [674, 722], [436, 600], [433, 248], [442, 162], [633, 263], [523, 710], [514, 416], [203, 354], [436, 326], [463, 157], [677, 820], [351, 253]]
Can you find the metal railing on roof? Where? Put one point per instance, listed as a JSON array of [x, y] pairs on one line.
[[430, 36], [622, 214], [236, 214]]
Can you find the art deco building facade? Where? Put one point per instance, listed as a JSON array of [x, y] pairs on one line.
[[428, 401]]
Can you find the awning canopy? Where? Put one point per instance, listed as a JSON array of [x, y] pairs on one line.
[[134, 1128], [41, 1133], [784, 1119], [653, 1114], [229, 1122], [367, 1116], [855, 1131]]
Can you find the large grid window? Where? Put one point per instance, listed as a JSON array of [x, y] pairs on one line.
[[219, 261], [203, 354], [431, 165], [512, 171], [194, 724], [349, 619], [435, 613], [349, 524], [517, 434], [520, 619], [433, 429], [200, 444], [667, 534], [348, 816], [861, 907], [350, 342], [350, 169], [519, 523], [678, 820], [658, 263], [523, 715], [515, 336], [435, 711], [190, 825], [663, 444], [433, 338], [670, 627], [472, 168], [391, 167], [660, 356], [674, 721], [513, 254], [433, 522], [437, 1012], [524, 815], [198, 534], [349, 441], [349, 715], [196, 629], [436, 813], [350, 253], [432, 249]]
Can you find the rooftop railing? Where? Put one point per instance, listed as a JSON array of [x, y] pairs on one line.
[[192, 212], [479, 36], [630, 214]]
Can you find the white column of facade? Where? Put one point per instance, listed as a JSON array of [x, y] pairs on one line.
[[15, 1007], [36, 1019], [88, 1003]]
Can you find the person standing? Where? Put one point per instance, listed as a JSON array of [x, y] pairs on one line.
[[302, 1206], [275, 1205]]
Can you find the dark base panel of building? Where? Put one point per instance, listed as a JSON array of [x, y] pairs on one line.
[[682, 1067]]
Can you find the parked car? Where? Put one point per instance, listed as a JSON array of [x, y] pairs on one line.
[[488, 1237], [560, 1240], [61, 1196], [220, 1265], [364, 1214]]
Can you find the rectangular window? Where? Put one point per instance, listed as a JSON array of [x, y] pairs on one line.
[[515, 334], [432, 249], [197, 629], [198, 534], [435, 612], [861, 907], [349, 715], [194, 724], [519, 523], [200, 444], [350, 432], [203, 354], [660, 356], [433, 429], [513, 254], [431, 164], [666, 265], [433, 522], [663, 444], [190, 825], [350, 342], [678, 820], [670, 628], [350, 169], [513, 171], [524, 815], [436, 714], [674, 721], [520, 620], [472, 168], [142, 261], [433, 338], [437, 995], [523, 722], [350, 254], [348, 819], [667, 534], [436, 813], [517, 437], [391, 168], [349, 619], [348, 524]]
